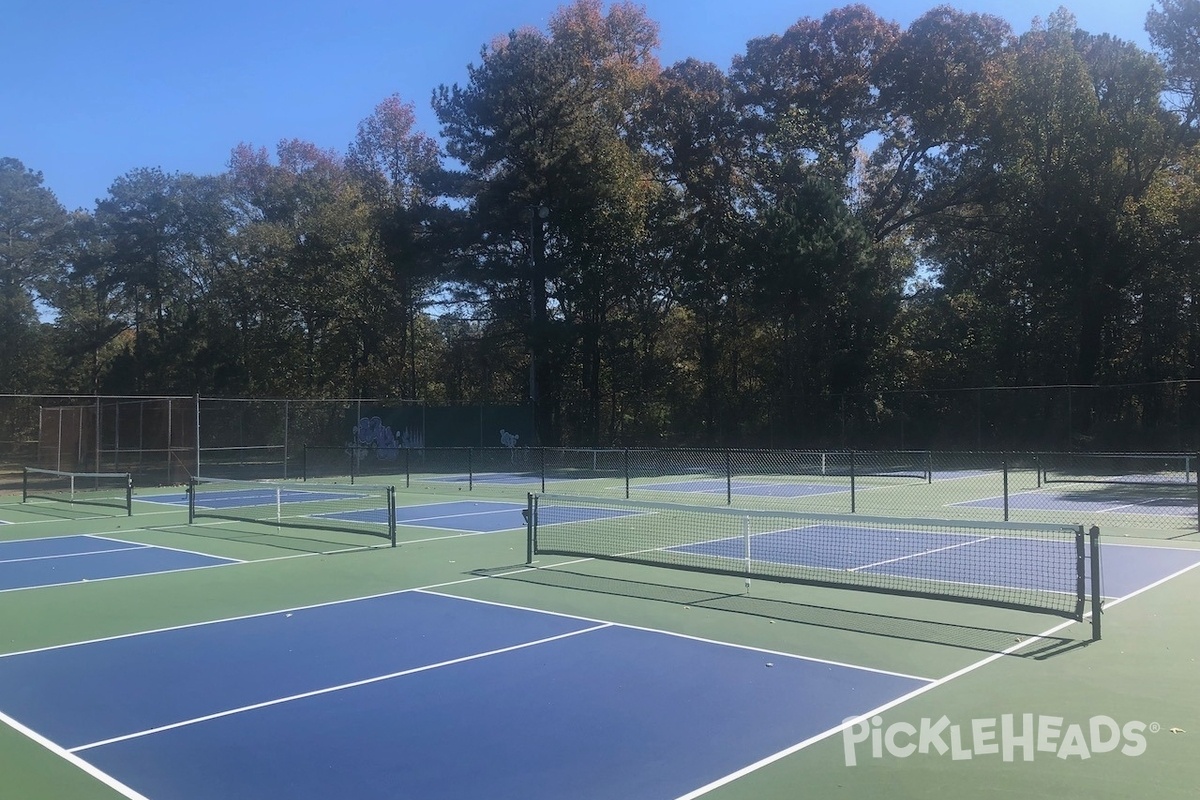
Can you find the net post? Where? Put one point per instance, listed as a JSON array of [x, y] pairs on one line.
[[129, 494], [929, 466], [191, 493], [1094, 548], [25, 484], [1080, 573], [542, 456], [853, 494], [408, 467], [626, 459], [470, 469], [1037, 466], [278, 507], [1004, 469], [391, 510], [530, 544], [353, 461], [746, 539]]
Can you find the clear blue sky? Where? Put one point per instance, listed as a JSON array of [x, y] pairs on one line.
[[94, 88]]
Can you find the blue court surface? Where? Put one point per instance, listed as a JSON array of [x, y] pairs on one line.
[[244, 498], [744, 487], [470, 516], [30, 563], [1097, 503], [504, 478], [422, 695], [996, 561]]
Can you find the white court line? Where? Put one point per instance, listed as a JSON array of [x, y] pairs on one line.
[[458, 535], [331, 689], [739, 560], [1057, 497], [499, 530], [72, 555], [697, 793], [106, 580], [804, 529], [113, 538], [968, 503], [186, 625], [411, 520], [605, 623], [72, 759], [757, 765], [53, 538], [771, 759], [154, 500], [62, 520], [1188, 511], [922, 553], [721, 489], [510, 503]]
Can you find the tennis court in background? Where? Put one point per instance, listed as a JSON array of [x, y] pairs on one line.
[[448, 666]]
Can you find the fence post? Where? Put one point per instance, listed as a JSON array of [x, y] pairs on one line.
[[853, 498], [728, 480], [1004, 469]]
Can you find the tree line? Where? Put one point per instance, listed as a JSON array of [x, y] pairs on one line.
[[650, 254]]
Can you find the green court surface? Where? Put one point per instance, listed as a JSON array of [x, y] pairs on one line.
[[974, 663]]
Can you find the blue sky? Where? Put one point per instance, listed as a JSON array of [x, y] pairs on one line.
[[92, 89]]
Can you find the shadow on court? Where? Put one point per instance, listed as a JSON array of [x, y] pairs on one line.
[[966, 637], [273, 539], [62, 512]]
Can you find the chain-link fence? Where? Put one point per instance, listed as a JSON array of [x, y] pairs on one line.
[[167, 440], [1147, 492], [1148, 416], [153, 438]]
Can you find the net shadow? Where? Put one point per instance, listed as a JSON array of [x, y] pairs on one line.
[[891, 626], [268, 538], [66, 512]]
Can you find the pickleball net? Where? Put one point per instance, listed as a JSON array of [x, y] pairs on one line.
[[1039, 567], [354, 508], [106, 489], [1169, 470]]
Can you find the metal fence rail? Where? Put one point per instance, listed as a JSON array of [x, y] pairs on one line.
[[1143, 491]]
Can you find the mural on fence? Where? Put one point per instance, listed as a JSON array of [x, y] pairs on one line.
[[384, 430], [372, 437]]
